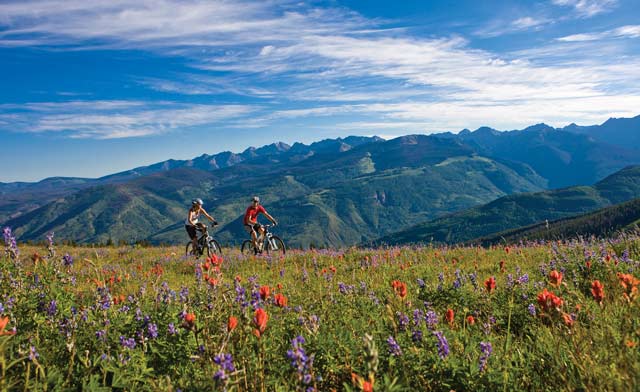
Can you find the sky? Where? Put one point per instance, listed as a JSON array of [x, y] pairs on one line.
[[93, 87]]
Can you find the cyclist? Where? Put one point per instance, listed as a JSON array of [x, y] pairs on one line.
[[192, 224], [251, 224]]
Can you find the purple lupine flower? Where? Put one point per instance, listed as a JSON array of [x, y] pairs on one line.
[[305, 275], [625, 255], [431, 318], [403, 320], [67, 260], [52, 309], [225, 361], [241, 295], [282, 271], [440, 281], [524, 279], [300, 361], [394, 348], [101, 335], [33, 354], [50, 239], [485, 352], [418, 316], [421, 283], [474, 280], [532, 309], [1, 308], [416, 335], [442, 343], [129, 343], [172, 329], [11, 247], [510, 281], [198, 272], [184, 294], [459, 280], [152, 329]]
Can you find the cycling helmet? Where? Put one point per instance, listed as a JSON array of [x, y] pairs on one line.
[[197, 201], [256, 199]]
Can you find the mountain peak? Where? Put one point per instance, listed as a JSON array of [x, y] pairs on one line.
[[539, 127]]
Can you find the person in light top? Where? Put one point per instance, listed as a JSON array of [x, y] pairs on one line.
[[191, 224], [251, 224]]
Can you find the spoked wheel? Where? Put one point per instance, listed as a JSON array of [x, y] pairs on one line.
[[247, 248], [275, 246], [214, 248], [189, 251]]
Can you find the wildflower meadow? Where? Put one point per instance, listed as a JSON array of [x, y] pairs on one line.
[[537, 317]]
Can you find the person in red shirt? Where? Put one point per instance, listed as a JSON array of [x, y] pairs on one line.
[[251, 224]]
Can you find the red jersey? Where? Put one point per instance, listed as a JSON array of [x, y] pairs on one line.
[[252, 213]]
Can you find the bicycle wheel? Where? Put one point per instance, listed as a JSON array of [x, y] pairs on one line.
[[247, 248], [214, 248], [275, 245], [189, 250]]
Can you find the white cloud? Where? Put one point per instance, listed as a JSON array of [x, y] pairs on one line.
[[588, 8], [285, 51], [114, 119], [629, 31], [527, 22]]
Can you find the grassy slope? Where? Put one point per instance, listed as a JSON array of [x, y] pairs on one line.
[[521, 210]]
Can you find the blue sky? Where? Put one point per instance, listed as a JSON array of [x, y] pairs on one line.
[[92, 87]]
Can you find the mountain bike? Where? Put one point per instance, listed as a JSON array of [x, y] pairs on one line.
[[206, 243], [268, 242]]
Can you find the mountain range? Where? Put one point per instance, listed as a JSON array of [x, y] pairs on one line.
[[521, 210], [601, 223], [336, 192]]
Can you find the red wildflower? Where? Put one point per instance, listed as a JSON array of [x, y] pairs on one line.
[[400, 288], [279, 286], [597, 290], [265, 291], [470, 320], [630, 285], [588, 265], [206, 265], [507, 250], [157, 270], [189, 321], [332, 269], [3, 324], [281, 300], [555, 278], [450, 316], [502, 266], [547, 300], [490, 284], [260, 321], [232, 323], [568, 320], [367, 386], [212, 281]]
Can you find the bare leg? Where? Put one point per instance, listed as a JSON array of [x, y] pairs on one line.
[[195, 245], [261, 236], [254, 238]]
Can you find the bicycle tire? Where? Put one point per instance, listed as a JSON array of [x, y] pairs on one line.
[[189, 250], [280, 247], [214, 248], [247, 248]]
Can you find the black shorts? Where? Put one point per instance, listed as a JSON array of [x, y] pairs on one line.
[[250, 228], [192, 231]]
